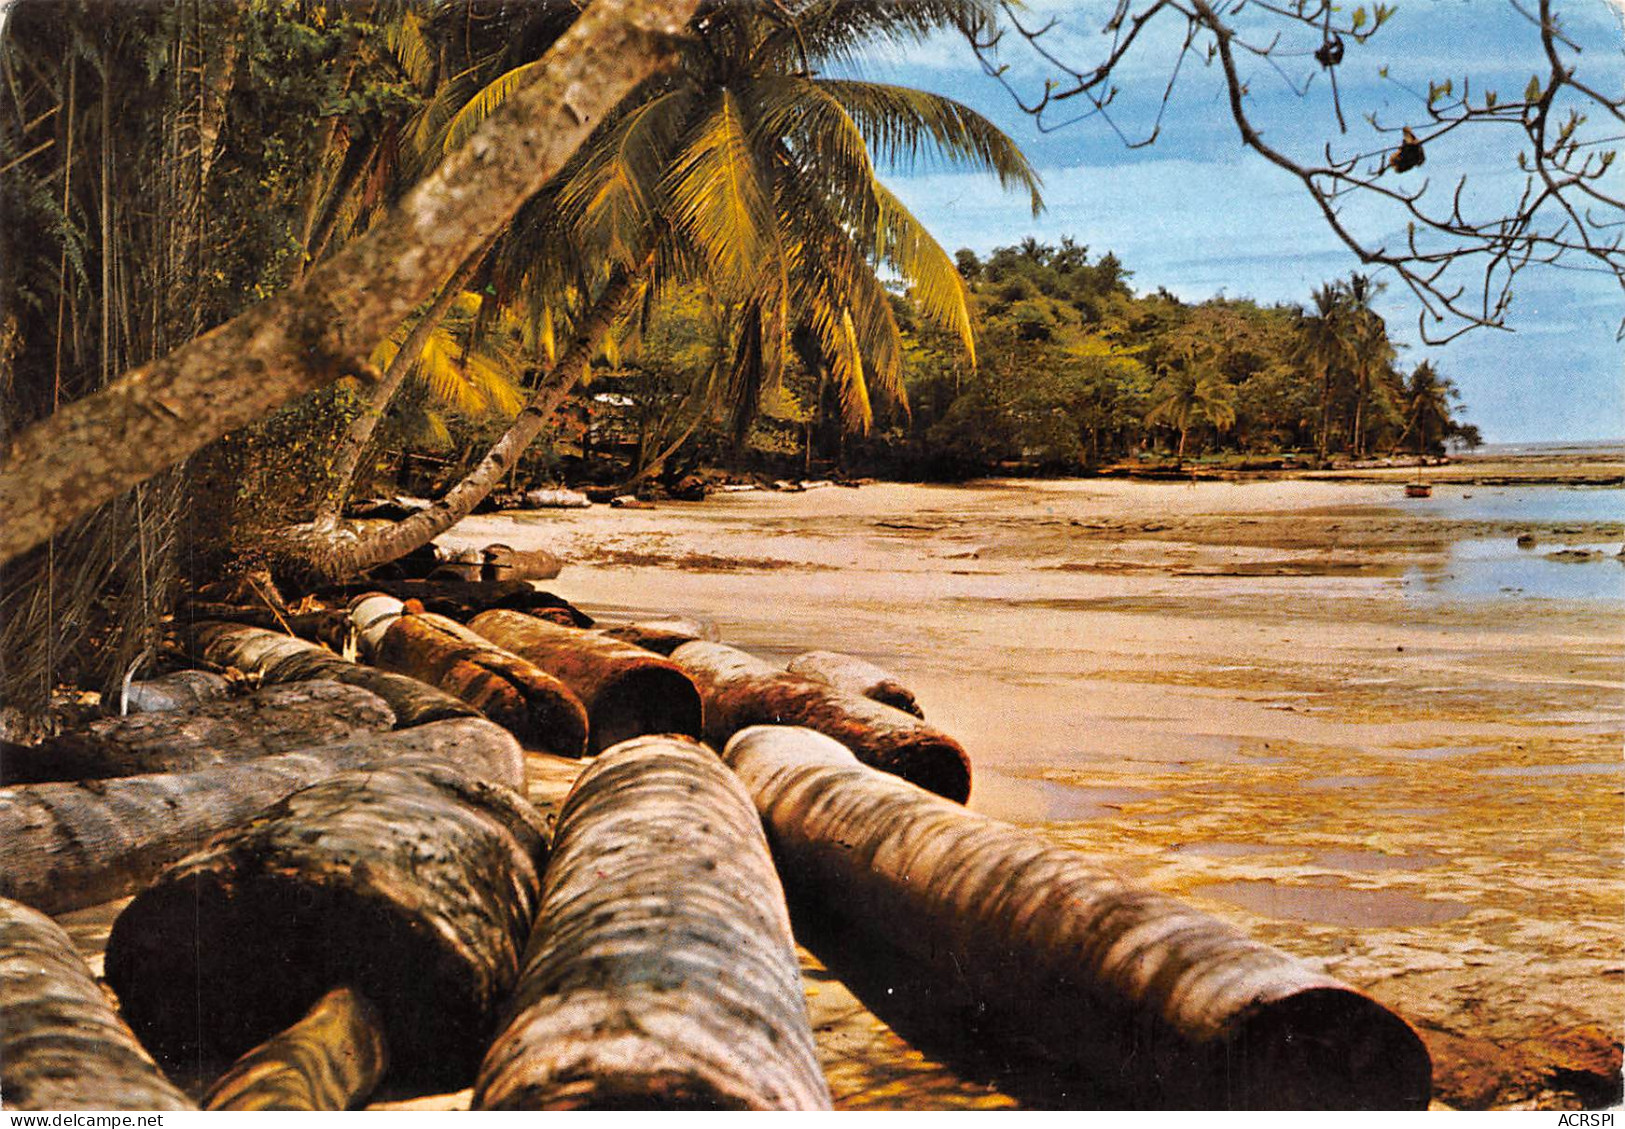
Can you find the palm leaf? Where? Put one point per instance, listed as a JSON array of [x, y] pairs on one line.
[[842, 31], [938, 287], [405, 41], [471, 381], [719, 201], [483, 104], [610, 200], [904, 127]]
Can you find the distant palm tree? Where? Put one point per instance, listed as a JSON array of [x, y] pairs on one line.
[[1371, 353], [1429, 401], [1188, 394], [1325, 349]]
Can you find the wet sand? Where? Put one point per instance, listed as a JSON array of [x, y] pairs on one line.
[[1284, 700]]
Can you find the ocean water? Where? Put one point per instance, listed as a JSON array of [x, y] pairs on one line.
[[1488, 568], [1522, 503]]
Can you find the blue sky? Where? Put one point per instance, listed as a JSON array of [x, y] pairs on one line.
[[1199, 214]]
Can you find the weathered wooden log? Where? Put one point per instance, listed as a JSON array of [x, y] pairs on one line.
[[324, 625], [283, 658], [414, 885], [663, 636], [179, 690], [627, 690], [662, 973], [855, 676], [516, 694], [504, 562], [62, 1046], [278, 719], [558, 499], [73, 845], [463, 600], [459, 565], [1135, 988], [741, 690], [329, 1060]]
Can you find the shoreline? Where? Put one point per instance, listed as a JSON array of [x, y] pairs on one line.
[[1247, 694]]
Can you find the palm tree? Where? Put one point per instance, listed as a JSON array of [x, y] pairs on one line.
[[1324, 349], [748, 170], [1190, 393], [1370, 352], [1429, 400]]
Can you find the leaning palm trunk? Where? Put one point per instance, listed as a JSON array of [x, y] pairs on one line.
[[1127, 986], [359, 434], [324, 328], [342, 558]]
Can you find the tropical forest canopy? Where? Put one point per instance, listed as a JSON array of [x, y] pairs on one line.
[[264, 258]]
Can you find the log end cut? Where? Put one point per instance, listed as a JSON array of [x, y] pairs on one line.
[[414, 885], [1325, 1048], [646, 700]]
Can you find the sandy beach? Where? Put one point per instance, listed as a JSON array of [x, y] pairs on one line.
[[1370, 730]]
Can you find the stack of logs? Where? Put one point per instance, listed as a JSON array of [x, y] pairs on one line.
[[341, 875]]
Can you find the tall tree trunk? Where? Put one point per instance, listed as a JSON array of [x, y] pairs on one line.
[[1325, 413], [312, 334], [1359, 411], [359, 435], [344, 559]]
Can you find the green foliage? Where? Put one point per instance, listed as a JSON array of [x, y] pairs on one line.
[[1077, 371]]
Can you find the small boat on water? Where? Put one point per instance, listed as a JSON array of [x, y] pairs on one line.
[[1418, 490]]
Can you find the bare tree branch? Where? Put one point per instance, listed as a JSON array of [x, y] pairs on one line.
[[1566, 214]]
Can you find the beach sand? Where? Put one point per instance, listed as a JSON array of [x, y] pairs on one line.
[[1284, 700]]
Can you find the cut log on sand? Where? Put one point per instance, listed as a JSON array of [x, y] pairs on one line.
[[504, 562], [627, 690], [1137, 989], [282, 658], [330, 1060], [663, 636], [62, 1046], [463, 600], [415, 886], [662, 974], [73, 845], [325, 625], [855, 676], [741, 690], [556, 500], [278, 719], [513, 692], [177, 691]]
